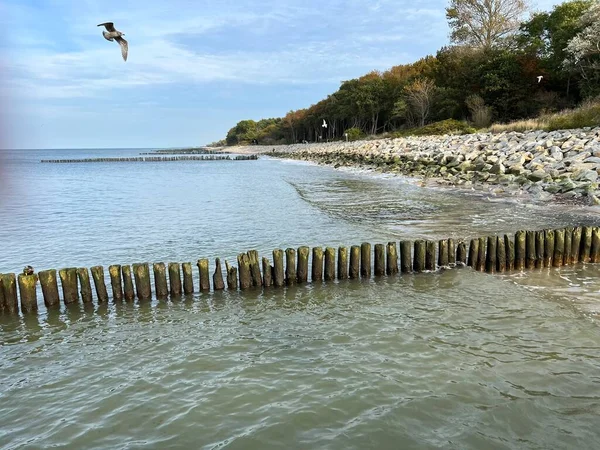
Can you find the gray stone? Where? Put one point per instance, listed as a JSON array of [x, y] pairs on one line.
[[538, 175]]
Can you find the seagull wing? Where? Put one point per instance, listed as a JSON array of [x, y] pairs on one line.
[[108, 25], [124, 46]]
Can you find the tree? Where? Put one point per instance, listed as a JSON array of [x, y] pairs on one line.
[[583, 51], [419, 95], [484, 23]]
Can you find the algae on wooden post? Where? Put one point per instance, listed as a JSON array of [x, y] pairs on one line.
[[329, 264], [481, 256], [254, 262], [218, 283], [473, 253], [576, 245], [391, 267], [68, 281], [85, 286], [28, 292], [188, 278], [354, 270], [586, 244], [278, 270], [116, 282], [461, 253], [267, 278], [302, 270], [558, 255], [160, 280], [521, 250], [49, 285], [98, 276], [317, 264], [548, 247], [443, 256], [244, 271], [509, 248], [232, 278], [406, 256], [141, 274], [595, 249], [430, 255], [342, 263], [365, 260], [500, 255], [3, 305], [174, 279], [204, 273], [379, 263], [290, 266], [540, 247], [128, 292], [490, 257], [568, 244], [11, 301], [419, 256], [531, 253]]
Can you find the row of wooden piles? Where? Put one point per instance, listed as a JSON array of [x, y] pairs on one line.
[[153, 159], [523, 250]]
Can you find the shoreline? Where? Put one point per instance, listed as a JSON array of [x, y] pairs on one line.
[[561, 165]]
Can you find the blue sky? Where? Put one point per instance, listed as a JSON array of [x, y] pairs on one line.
[[195, 67]]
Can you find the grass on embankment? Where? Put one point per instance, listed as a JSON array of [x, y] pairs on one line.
[[586, 115]]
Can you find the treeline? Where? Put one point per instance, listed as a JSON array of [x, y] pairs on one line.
[[491, 74]]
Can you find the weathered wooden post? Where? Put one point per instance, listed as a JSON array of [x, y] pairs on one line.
[[540, 248], [28, 292], [218, 283], [98, 276], [160, 280], [342, 263], [568, 245], [317, 264], [406, 256], [244, 271], [365, 260], [443, 257], [521, 250], [509, 246], [481, 256], [548, 247], [302, 271], [174, 279], [3, 305], [558, 256], [291, 277], [419, 256], [278, 271], [49, 287], [473, 253], [530, 250], [232, 283], [254, 261], [429, 255], [461, 253], [11, 302], [586, 244], [595, 250], [188, 278], [451, 252], [85, 287], [391, 267], [490, 258], [576, 245], [115, 282], [500, 255], [141, 275], [354, 262], [203, 272], [128, 292], [329, 264], [379, 263], [266, 269], [68, 281]]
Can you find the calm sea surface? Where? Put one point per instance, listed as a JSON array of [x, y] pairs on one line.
[[456, 359]]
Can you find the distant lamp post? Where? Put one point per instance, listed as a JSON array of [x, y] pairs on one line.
[[346, 134]]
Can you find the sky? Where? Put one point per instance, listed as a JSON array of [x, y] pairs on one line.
[[195, 67]]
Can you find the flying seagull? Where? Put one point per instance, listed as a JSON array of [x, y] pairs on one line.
[[112, 34], [539, 78], [324, 124]]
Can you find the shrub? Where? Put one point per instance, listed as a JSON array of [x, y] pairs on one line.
[[587, 115], [449, 126], [481, 115], [354, 134]]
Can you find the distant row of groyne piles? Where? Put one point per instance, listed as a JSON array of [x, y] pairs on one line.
[[492, 254], [185, 151], [154, 159]]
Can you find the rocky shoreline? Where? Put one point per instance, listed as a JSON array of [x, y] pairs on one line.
[[564, 163]]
